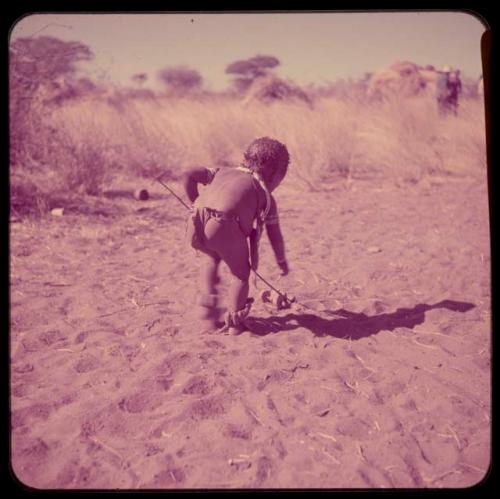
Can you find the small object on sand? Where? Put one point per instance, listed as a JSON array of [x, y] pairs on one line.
[[281, 301], [141, 194], [57, 212], [374, 249]]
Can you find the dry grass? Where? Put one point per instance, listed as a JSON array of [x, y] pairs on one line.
[[90, 138]]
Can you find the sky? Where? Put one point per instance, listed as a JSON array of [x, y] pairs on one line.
[[313, 48]]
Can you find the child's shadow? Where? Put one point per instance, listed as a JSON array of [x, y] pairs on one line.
[[351, 324]]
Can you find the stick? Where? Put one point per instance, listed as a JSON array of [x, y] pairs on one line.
[[268, 283], [171, 191]]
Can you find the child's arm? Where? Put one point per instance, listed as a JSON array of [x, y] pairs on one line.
[[193, 177], [275, 236]]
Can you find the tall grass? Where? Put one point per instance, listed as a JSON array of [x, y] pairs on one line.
[[92, 138]]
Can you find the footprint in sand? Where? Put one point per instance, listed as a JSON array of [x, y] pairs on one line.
[[381, 395], [175, 363], [80, 337], [66, 476], [217, 345], [172, 477], [353, 427], [237, 431], [68, 399], [151, 450], [264, 469], [206, 408], [86, 363], [51, 337], [197, 385], [24, 368], [409, 405], [21, 417], [141, 401], [32, 345], [37, 449], [21, 390], [164, 382], [275, 376]]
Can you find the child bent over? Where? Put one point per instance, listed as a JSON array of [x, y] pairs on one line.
[[227, 220]]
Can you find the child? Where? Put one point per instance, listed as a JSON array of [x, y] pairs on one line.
[[234, 207]]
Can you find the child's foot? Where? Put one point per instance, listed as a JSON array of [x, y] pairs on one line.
[[235, 321], [234, 330], [210, 326]]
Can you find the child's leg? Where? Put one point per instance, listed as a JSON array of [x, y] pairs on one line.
[[238, 291], [239, 304], [231, 245], [208, 299], [209, 277]]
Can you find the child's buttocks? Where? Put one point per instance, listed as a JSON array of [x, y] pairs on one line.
[[221, 229], [233, 194]]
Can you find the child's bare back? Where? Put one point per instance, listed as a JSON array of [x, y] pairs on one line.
[[235, 193]]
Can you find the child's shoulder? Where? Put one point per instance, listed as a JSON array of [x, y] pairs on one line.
[[201, 174]]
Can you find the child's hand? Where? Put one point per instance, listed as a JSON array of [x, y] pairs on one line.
[[284, 267]]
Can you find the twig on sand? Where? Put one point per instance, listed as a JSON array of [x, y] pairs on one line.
[[115, 312], [475, 468], [440, 477], [455, 436], [357, 357], [335, 460], [394, 467], [324, 387], [325, 435], [107, 447], [437, 334], [253, 415], [361, 452], [137, 278], [71, 350], [413, 340], [352, 387], [363, 363], [56, 284], [162, 302]]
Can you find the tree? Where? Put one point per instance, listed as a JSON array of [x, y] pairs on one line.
[[35, 61], [34, 64], [180, 79], [248, 70]]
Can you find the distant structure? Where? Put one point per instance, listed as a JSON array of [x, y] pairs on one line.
[[404, 79], [269, 89], [448, 89]]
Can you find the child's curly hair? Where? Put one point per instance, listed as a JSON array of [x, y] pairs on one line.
[[268, 157]]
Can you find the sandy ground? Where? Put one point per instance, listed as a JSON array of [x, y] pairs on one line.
[[383, 381]]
